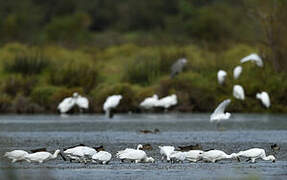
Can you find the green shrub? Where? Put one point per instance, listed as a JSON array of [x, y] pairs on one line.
[[17, 84], [23, 104], [73, 75], [142, 70], [44, 96], [5, 103], [27, 64]]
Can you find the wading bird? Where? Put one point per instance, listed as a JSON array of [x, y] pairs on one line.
[[215, 155], [255, 153], [40, 157], [221, 75], [177, 67], [193, 155], [149, 102], [80, 153], [167, 101], [16, 155], [111, 103], [265, 99], [238, 92], [165, 152], [68, 103], [102, 157]]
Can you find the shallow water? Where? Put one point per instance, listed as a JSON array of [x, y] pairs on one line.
[[242, 131]]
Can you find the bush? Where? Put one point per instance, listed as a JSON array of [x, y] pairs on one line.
[[5, 103], [44, 96], [142, 70], [73, 75], [16, 84], [27, 64], [23, 104]]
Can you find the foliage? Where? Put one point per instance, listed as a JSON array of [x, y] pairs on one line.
[[142, 70], [27, 64]]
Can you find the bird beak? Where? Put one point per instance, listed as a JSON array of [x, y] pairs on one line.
[[274, 161]]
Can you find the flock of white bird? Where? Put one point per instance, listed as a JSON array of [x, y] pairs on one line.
[[113, 101], [238, 91], [88, 154], [84, 154]]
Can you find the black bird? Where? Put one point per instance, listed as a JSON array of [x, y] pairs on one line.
[[190, 147]]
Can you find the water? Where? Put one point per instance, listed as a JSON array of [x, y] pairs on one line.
[[241, 132]]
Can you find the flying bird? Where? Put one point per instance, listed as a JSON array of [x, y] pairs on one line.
[[265, 99], [238, 92], [237, 71], [111, 103], [221, 75], [68, 103], [253, 58], [218, 114], [177, 67]]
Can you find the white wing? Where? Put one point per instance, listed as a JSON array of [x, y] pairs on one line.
[[66, 105], [221, 107], [253, 57], [237, 71], [102, 156], [82, 102]]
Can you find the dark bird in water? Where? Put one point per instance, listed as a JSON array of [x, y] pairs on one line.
[[177, 67], [99, 148], [190, 147], [146, 131], [38, 150], [147, 147], [275, 147]]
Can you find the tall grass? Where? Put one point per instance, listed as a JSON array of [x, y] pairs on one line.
[[142, 70], [27, 64]]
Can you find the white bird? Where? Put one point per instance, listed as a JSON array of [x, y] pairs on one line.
[[254, 58], [219, 114], [238, 92], [80, 153], [165, 152], [237, 71], [221, 74], [177, 156], [40, 157], [139, 147], [193, 155], [134, 156], [103, 157], [111, 103], [69, 102], [16, 155], [265, 99], [149, 102], [255, 153], [215, 155], [167, 101]]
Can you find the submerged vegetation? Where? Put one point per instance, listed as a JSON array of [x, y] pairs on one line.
[[107, 47]]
